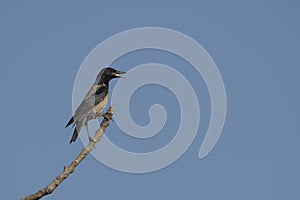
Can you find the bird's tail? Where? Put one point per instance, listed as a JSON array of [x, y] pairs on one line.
[[70, 122], [76, 131]]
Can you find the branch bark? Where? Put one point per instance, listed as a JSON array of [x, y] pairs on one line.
[[70, 169]]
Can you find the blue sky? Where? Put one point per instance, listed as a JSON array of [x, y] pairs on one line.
[[255, 45]]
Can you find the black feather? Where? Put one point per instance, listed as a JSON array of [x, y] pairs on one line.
[[70, 122], [76, 131]]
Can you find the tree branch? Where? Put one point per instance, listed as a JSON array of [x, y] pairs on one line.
[[69, 169]]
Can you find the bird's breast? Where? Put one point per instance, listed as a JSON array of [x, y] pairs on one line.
[[101, 105]]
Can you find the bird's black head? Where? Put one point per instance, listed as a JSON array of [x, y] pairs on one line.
[[107, 74]]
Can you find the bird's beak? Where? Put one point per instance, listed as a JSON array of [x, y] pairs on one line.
[[118, 73]]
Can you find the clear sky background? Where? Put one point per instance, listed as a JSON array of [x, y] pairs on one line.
[[256, 46]]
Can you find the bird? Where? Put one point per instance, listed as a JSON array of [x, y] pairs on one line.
[[94, 101]]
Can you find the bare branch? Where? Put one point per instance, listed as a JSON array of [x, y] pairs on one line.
[[69, 169]]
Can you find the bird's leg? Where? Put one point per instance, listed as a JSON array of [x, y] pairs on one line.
[[87, 130]]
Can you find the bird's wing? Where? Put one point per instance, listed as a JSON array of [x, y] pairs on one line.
[[90, 100], [92, 91]]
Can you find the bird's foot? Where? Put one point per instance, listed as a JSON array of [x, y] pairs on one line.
[[107, 117]]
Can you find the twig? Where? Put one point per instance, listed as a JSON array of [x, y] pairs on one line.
[[69, 169]]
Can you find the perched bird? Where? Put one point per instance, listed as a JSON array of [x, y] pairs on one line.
[[94, 101]]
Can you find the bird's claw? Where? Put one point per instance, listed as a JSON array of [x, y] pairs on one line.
[[107, 117]]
